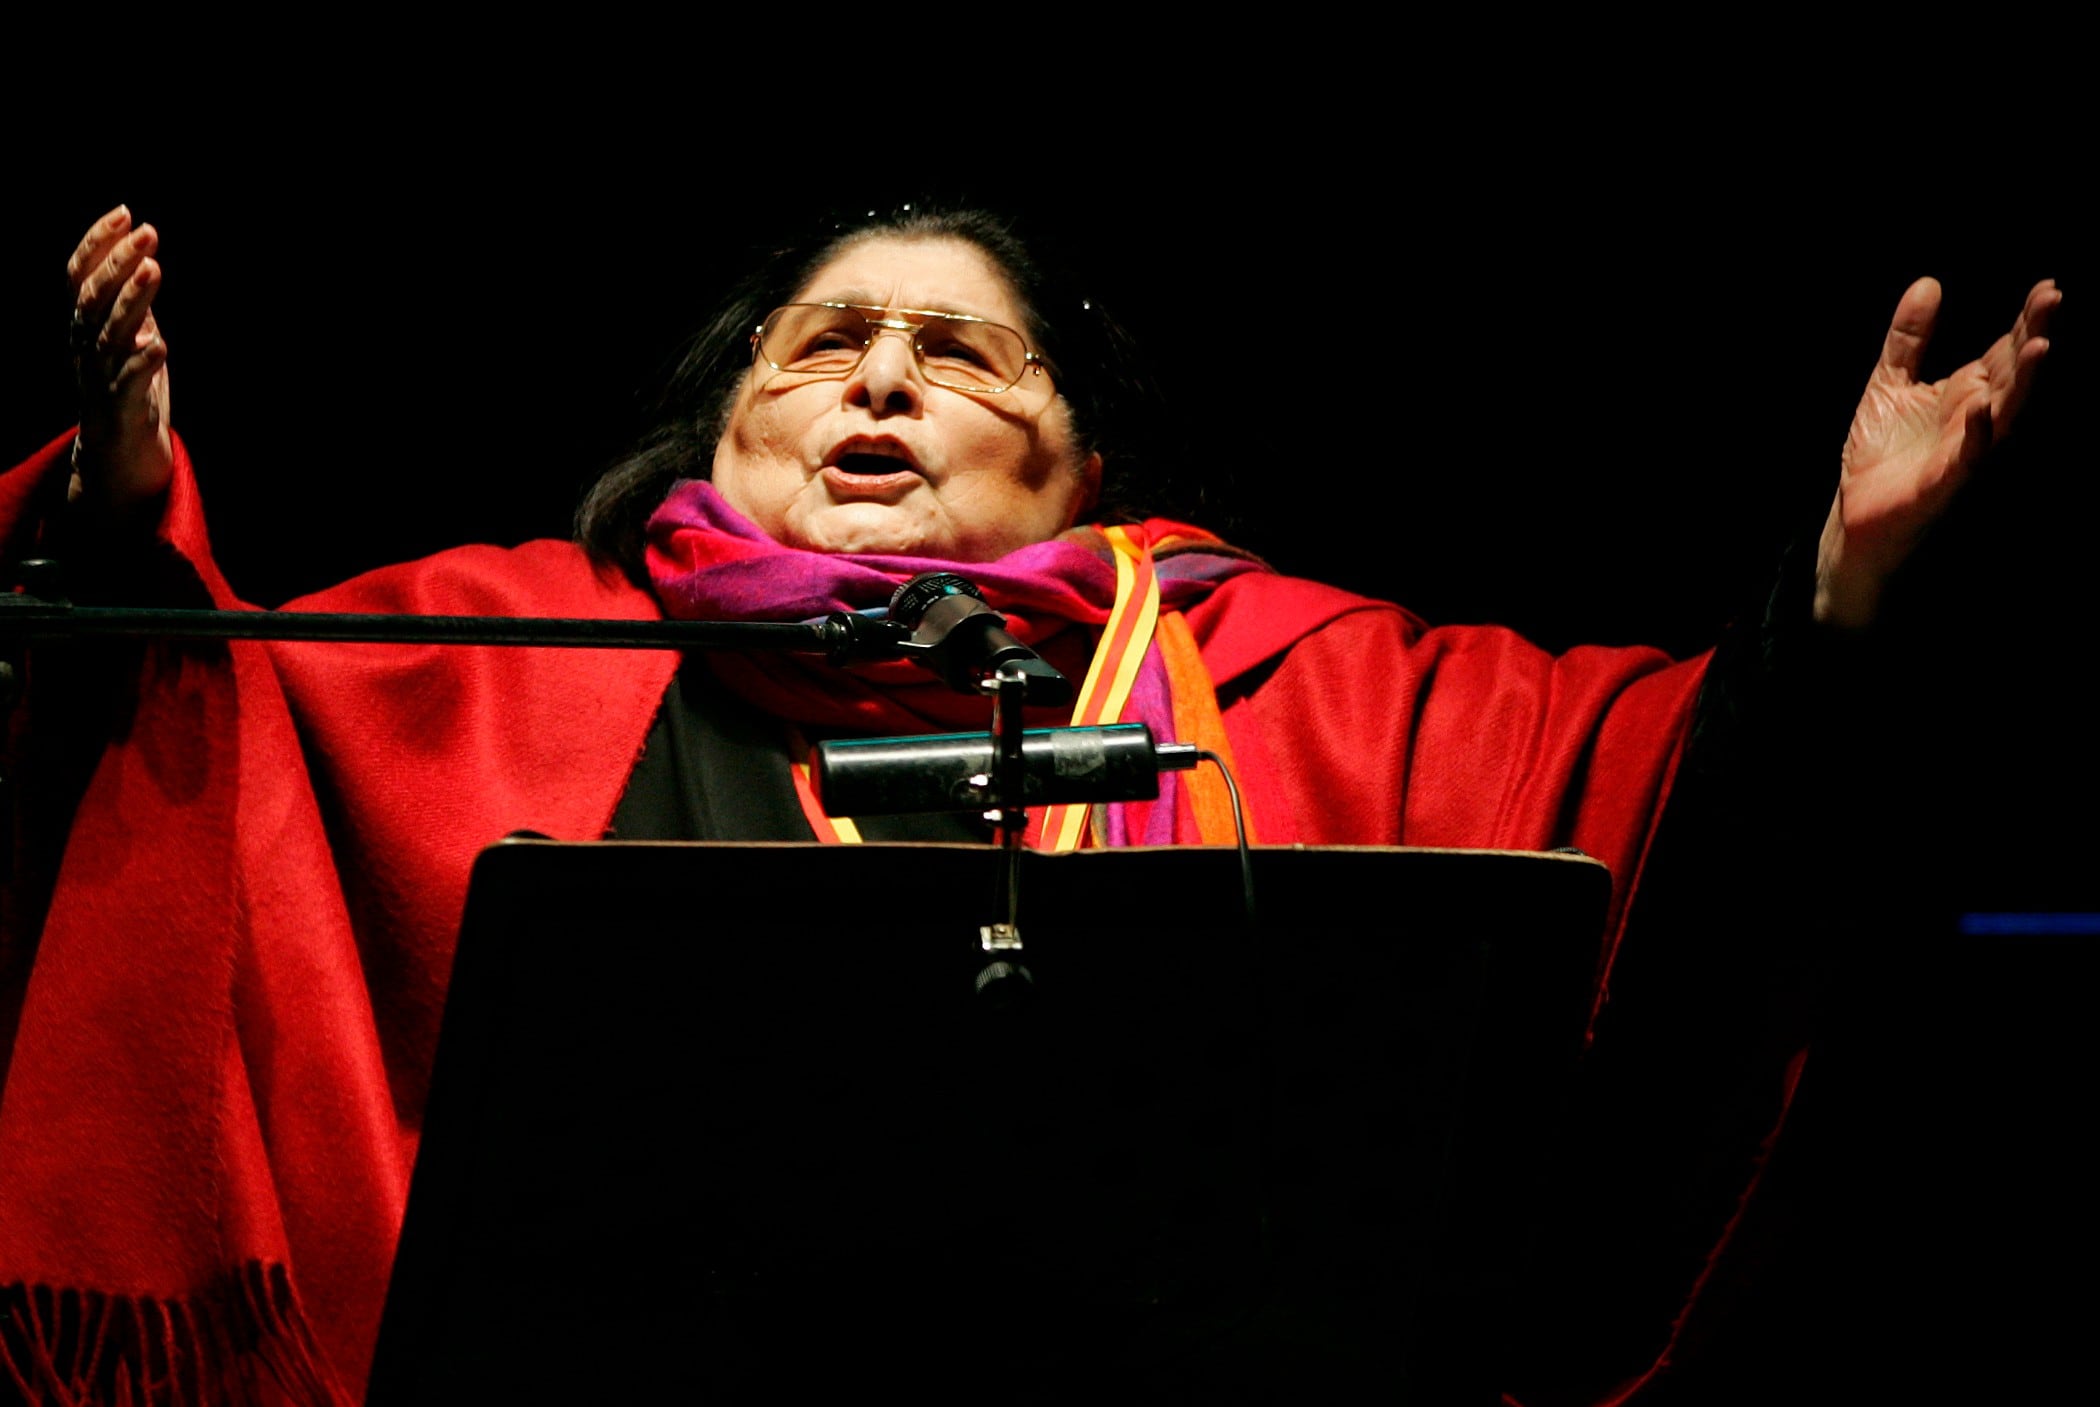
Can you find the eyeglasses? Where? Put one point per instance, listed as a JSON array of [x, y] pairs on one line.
[[954, 350]]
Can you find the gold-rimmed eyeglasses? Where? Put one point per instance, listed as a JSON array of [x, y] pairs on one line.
[[954, 350]]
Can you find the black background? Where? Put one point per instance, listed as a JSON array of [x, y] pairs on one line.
[[1619, 351]]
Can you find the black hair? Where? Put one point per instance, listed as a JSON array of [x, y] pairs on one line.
[[1115, 404]]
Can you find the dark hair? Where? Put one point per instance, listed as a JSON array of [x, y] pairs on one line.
[[1115, 404]]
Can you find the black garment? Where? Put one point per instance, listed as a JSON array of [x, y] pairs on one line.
[[716, 768]]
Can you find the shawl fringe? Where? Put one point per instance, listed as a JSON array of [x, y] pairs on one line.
[[246, 1344]]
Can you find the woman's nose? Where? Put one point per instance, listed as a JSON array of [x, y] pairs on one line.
[[888, 380]]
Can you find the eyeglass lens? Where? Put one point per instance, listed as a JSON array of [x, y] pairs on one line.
[[959, 352]]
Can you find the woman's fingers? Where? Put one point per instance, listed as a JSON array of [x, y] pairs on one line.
[[1977, 432], [119, 348], [115, 338], [96, 244], [125, 454], [123, 328], [128, 394], [139, 401], [98, 288], [2028, 345], [1911, 328], [2041, 301]]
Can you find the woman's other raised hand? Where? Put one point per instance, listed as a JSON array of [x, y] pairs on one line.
[[1913, 443], [126, 453]]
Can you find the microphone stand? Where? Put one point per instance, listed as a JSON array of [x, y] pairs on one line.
[[1002, 979], [842, 637]]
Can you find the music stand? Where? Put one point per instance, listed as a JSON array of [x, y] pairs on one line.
[[728, 1122]]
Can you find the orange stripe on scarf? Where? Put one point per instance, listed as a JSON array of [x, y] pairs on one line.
[[1109, 679], [1197, 720]]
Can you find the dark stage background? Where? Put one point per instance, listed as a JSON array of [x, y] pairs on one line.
[[1609, 371]]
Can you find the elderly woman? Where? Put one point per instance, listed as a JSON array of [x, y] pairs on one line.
[[216, 1089]]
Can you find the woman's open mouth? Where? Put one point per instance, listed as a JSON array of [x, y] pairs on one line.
[[869, 476], [870, 467]]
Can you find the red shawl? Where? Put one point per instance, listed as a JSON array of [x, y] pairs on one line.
[[214, 1098]]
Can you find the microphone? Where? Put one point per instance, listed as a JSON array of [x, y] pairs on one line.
[[952, 771], [956, 635]]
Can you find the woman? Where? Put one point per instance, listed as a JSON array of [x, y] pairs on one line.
[[255, 990]]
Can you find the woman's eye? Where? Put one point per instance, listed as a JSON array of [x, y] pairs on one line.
[[950, 349], [828, 345]]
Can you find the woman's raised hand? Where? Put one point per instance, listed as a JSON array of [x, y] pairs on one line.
[[1912, 444], [126, 454]]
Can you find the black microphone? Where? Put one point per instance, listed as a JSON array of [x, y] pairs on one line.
[[955, 634], [953, 771]]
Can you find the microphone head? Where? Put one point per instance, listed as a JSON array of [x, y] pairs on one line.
[[908, 605], [960, 636]]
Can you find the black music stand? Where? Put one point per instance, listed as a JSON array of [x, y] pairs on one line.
[[729, 1123]]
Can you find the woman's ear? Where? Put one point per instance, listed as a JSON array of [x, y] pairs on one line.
[[1090, 494]]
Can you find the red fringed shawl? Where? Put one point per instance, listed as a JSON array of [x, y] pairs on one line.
[[215, 1093]]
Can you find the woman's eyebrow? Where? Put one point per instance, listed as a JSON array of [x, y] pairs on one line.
[[859, 296]]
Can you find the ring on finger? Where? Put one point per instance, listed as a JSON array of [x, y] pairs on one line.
[[82, 336]]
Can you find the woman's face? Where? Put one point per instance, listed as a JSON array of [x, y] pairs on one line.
[[881, 461]]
